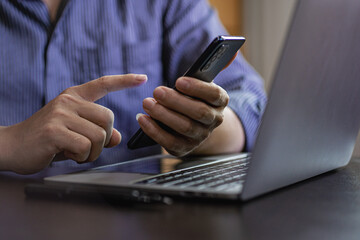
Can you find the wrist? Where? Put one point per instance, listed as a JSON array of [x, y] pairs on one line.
[[229, 137], [5, 150], [2, 149]]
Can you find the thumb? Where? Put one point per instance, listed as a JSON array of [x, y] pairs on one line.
[[115, 139], [98, 88]]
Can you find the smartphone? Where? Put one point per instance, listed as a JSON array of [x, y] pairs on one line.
[[217, 56]]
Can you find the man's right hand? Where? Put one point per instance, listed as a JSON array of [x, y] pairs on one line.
[[71, 126]]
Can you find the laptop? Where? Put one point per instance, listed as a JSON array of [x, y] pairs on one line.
[[309, 126]]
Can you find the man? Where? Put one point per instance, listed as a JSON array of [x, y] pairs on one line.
[[49, 50]]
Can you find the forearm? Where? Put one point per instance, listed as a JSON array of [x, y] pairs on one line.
[[229, 137]]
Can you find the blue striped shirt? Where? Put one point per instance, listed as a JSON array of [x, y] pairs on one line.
[[92, 38]]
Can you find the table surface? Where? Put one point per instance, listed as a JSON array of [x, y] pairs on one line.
[[324, 207]]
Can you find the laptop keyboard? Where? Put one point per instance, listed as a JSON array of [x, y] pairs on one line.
[[221, 175]]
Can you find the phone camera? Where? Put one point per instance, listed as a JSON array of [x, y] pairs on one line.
[[217, 55]]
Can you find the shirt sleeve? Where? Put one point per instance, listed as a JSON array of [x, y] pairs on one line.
[[189, 26]]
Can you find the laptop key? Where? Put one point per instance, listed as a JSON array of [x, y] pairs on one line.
[[220, 175]]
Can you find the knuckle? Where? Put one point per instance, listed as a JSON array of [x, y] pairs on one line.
[[50, 130], [69, 91], [59, 113], [63, 99], [220, 97], [102, 81], [201, 134], [205, 114], [108, 116], [219, 119], [226, 99], [187, 128], [99, 138], [83, 147], [217, 94]]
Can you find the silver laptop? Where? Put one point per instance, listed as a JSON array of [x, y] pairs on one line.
[[309, 126]]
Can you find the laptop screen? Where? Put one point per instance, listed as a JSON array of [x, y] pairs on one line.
[[313, 115]]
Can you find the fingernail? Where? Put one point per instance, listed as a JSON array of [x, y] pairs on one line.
[[148, 103], [141, 77], [159, 93], [142, 121], [183, 84], [138, 115]]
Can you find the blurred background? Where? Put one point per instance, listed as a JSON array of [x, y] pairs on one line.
[[264, 24]]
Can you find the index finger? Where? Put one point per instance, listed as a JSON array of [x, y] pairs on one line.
[[98, 88]]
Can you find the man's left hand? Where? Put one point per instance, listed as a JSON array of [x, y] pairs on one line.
[[193, 112]]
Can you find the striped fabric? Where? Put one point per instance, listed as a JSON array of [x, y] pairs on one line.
[[38, 59]]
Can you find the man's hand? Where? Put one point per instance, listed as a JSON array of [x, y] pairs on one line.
[[71, 126], [192, 115]]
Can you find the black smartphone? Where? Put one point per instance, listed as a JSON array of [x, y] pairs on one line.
[[217, 56]]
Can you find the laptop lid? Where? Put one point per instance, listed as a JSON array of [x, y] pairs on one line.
[[313, 113]]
